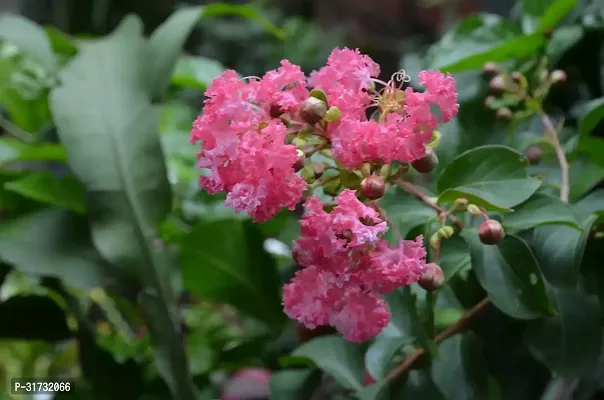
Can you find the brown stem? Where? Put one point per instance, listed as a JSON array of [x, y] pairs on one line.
[[447, 333], [413, 190], [549, 128]]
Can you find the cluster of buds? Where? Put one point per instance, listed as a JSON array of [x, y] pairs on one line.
[[270, 142], [509, 91]]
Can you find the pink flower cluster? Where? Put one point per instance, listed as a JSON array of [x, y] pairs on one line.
[[245, 122], [347, 266]]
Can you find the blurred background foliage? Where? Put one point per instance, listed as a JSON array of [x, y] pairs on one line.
[[74, 301]]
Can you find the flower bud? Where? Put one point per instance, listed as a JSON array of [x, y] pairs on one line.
[[319, 94], [319, 168], [497, 84], [373, 187], [557, 76], [474, 210], [504, 113], [533, 154], [276, 111], [490, 69], [433, 278], [461, 202], [289, 139], [517, 77], [385, 171], [308, 174], [300, 161], [446, 232], [312, 110], [489, 101], [333, 114], [490, 232], [427, 163], [435, 241]]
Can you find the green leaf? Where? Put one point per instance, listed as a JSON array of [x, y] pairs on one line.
[[569, 343], [562, 40], [454, 256], [167, 42], [379, 356], [337, 357], [196, 72], [460, 373], [224, 261], [42, 186], [555, 13], [540, 209], [245, 11], [29, 38], [60, 42], [558, 249], [405, 211], [375, 391], [491, 176], [591, 118], [510, 274], [590, 204], [419, 385], [294, 384], [14, 150], [479, 39], [106, 122], [54, 243], [585, 173]]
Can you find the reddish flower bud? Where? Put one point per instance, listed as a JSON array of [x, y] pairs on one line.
[[490, 69], [312, 110], [373, 187], [504, 114], [533, 154], [433, 278], [276, 111], [490, 232], [427, 163], [247, 384], [557, 76], [368, 379], [300, 161]]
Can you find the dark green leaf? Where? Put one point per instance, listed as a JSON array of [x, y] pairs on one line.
[[405, 211], [294, 384], [540, 209], [492, 176], [244, 11], [53, 243], [379, 356], [586, 171], [108, 126], [375, 391], [196, 72], [570, 342], [562, 40], [593, 114], [460, 373], [224, 261], [555, 13], [29, 38], [419, 385], [337, 357], [454, 256], [592, 203], [558, 249], [479, 39], [510, 274], [42, 186], [167, 42]]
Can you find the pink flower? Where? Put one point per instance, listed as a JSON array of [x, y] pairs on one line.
[[347, 266]]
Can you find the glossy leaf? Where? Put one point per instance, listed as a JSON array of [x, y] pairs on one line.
[[113, 147], [375, 391], [337, 357], [14, 150], [405, 211], [557, 10], [225, 261], [29, 38], [196, 72], [419, 385], [558, 249], [478, 39], [590, 204], [167, 42], [494, 177], [593, 114], [459, 372], [540, 209], [379, 356], [294, 384], [54, 243], [510, 274], [570, 342], [42, 186], [454, 256]]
